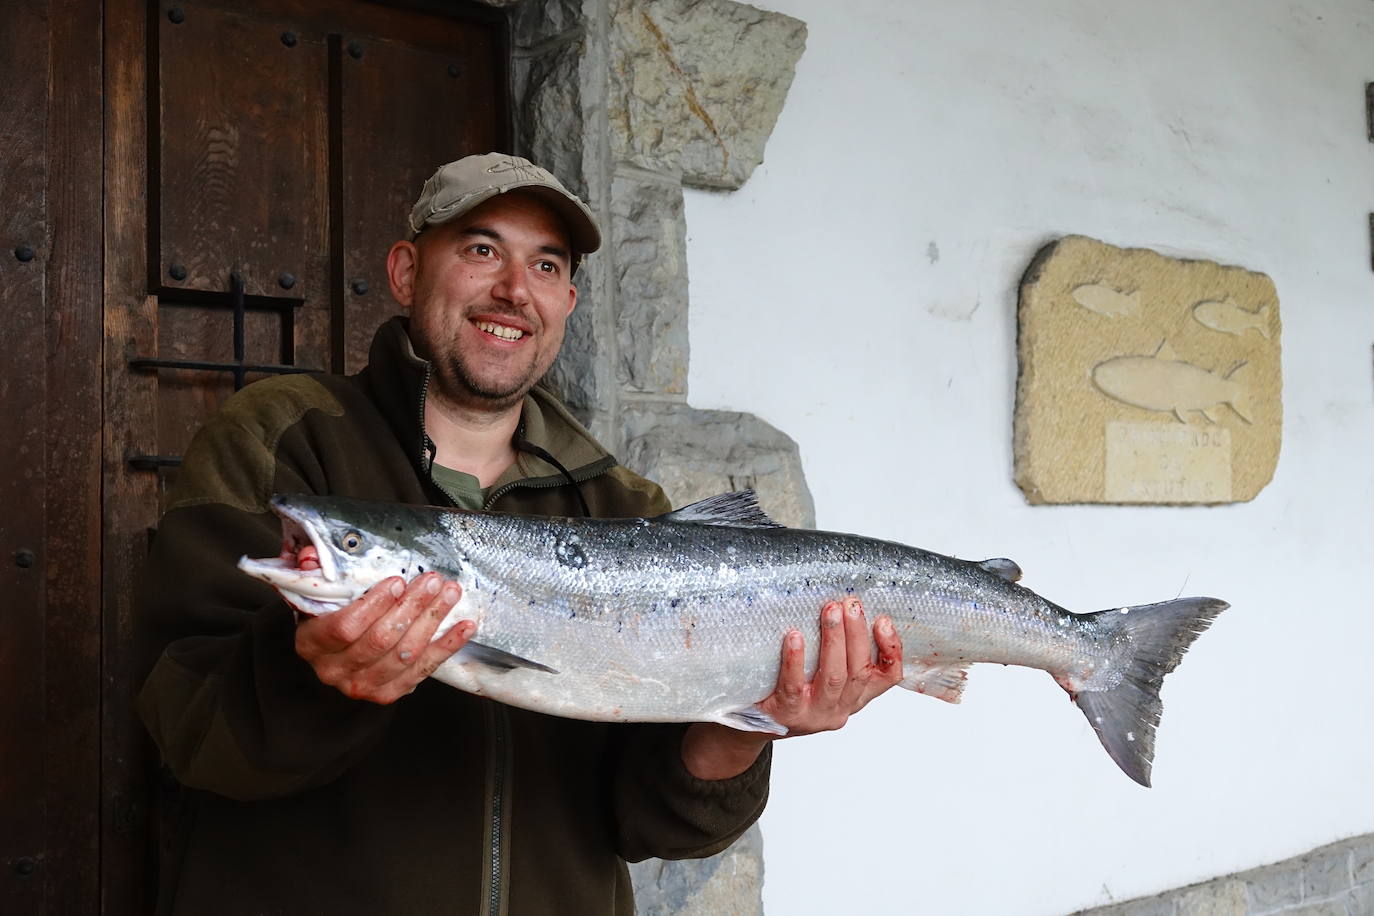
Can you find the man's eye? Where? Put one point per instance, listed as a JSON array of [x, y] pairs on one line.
[[482, 250], [548, 267]]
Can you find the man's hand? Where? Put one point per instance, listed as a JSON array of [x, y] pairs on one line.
[[845, 680], [378, 648]]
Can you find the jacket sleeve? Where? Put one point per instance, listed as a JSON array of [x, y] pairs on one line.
[[231, 706], [661, 810]]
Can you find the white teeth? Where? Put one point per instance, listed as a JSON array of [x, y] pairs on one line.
[[500, 330]]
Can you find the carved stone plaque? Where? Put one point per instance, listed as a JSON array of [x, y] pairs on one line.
[[1145, 379]]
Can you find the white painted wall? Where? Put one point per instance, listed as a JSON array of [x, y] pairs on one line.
[[1231, 130]]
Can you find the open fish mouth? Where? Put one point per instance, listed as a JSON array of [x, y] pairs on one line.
[[314, 589]]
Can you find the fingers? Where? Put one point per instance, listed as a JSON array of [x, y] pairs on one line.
[[382, 646], [832, 666], [331, 633], [791, 689], [886, 672]]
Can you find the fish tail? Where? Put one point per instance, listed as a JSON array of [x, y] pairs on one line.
[[1262, 321], [1125, 716]]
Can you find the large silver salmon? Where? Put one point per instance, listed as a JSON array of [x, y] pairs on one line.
[[680, 618]]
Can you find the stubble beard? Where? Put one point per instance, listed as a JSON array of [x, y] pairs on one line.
[[464, 388]]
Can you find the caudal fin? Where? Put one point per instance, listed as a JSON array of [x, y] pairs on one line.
[[1125, 717]]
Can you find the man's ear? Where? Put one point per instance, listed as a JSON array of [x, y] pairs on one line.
[[572, 300], [401, 262]]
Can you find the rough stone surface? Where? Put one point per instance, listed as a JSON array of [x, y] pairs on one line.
[[1277, 886], [728, 884], [1326, 875], [1163, 905], [1220, 898], [536, 21], [1145, 379], [695, 453], [697, 85], [649, 234], [551, 121], [1332, 880]]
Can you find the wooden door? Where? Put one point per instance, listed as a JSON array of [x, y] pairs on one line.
[[260, 158]]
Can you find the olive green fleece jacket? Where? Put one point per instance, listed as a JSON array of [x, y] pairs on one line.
[[290, 798]]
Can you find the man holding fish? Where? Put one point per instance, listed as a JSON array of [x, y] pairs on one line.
[[322, 771]]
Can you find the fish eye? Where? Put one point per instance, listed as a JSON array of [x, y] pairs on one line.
[[351, 541]]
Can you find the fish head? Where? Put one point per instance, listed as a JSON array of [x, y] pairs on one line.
[[334, 549]]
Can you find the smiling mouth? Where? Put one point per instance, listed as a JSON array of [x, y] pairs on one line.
[[502, 331]]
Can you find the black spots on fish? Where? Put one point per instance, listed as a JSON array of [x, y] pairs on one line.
[[569, 553], [849, 589], [421, 569], [675, 602]]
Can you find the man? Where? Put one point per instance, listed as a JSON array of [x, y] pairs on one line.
[[322, 771]]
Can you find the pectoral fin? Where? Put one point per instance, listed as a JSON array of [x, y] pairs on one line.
[[497, 658], [752, 719]]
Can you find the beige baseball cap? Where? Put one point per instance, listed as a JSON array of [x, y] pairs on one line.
[[465, 183]]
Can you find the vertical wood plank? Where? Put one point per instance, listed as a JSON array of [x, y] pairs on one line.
[[73, 441], [24, 258], [130, 497]]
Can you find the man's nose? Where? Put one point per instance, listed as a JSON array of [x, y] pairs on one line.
[[511, 284]]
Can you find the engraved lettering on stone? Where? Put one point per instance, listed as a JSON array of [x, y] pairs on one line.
[[1166, 463], [1228, 317], [1166, 383], [1106, 301]]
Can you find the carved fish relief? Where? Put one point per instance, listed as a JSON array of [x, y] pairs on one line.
[[1106, 301], [1229, 318], [1166, 383]]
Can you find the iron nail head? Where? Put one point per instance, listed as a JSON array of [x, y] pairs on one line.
[[288, 39], [359, 286], [177, 272], [355, 50], [286, 280], [24, 558], [24, 253], [25, 865], [176, 15]]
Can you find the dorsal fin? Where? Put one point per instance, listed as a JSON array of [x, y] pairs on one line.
[[1001, 566], [730, 510], [1166, 352]]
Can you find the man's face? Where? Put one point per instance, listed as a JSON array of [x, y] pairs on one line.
[[488, 295]]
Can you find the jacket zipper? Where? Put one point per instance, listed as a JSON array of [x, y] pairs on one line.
[[497, 838]]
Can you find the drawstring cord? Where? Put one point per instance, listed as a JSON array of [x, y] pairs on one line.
[[524, 445]]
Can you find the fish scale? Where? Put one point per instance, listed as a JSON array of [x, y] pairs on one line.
[[681, 618]]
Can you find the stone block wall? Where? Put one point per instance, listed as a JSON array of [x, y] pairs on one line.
[[1334, 880], [630, 101]]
